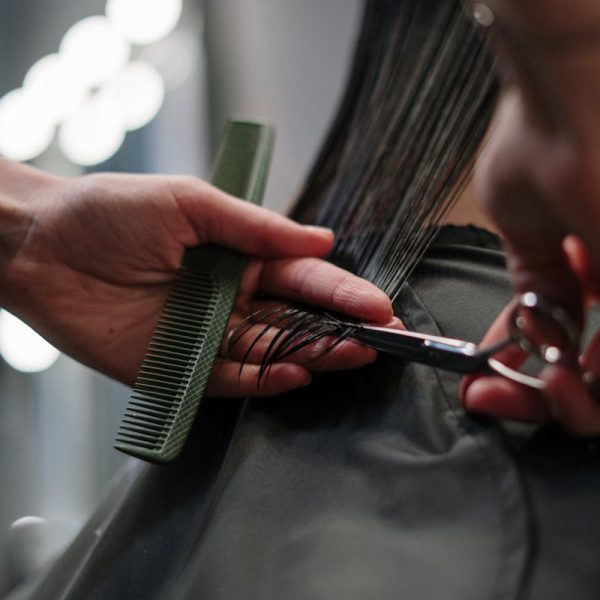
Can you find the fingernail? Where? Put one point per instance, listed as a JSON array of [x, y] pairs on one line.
[[396, 323], [324, 231], [464, 385], [308, 381]]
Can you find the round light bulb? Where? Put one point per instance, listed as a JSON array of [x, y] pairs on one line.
[[22, 348], [144, 21], [93, 133], [94, 50], [138, 90], [26, 129], [57, 86]]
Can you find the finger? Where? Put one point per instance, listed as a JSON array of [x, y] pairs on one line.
[[590, 359], [222, 219], [494, 387], [323, 355], [590, 366], [508, 181], [581, 263], [570, 402], [321, 284], [260, 311], [503, 399], [512, 356], [341, 357], [226, 380]]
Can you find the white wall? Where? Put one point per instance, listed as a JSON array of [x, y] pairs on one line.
[[286, 61]]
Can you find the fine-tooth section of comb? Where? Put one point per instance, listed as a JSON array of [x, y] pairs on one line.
[[178, 362]]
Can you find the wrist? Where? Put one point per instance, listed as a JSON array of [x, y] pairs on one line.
[[20, 188]]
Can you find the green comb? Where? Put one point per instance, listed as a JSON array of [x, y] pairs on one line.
[[172, 378]]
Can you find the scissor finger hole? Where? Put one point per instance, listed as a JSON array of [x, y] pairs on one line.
[[522, 377], [545, 329]]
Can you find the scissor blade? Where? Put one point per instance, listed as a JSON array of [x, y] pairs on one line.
[[441, 352]]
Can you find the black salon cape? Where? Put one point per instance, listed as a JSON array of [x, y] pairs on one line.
[[367, 485]]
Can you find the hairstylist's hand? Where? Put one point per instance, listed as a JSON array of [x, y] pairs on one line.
[[88, 261], [539, 179], [566, 398]]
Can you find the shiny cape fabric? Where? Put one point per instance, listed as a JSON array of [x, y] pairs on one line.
[[372, 484]]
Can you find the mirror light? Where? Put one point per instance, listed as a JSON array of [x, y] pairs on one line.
[[139, 91], [22, 348], [93, 133], [144, 21], [94, 50], [89, 90], [26, 129], [57, 87]]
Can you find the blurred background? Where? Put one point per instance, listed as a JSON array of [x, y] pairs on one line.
[[142, 86]]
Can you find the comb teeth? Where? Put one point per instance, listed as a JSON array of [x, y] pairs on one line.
[[187, 337], [164, 376]]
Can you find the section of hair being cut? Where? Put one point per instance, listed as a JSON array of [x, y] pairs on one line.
[[419, 98]]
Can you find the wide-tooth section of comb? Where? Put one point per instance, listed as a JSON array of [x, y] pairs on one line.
[[178, 362]]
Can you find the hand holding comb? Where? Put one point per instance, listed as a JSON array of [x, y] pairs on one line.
[[178, 362]]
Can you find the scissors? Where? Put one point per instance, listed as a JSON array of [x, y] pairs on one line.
[[537, 325]]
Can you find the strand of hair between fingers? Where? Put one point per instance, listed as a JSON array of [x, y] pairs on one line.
[[418, 101]]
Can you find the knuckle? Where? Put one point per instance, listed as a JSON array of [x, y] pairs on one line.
[[301, 274], [190, 183], [343, 292]]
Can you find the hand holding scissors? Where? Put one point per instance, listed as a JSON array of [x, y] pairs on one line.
[[535, 328], [568, 392], [530, 327], [539, 181], [501, 379]]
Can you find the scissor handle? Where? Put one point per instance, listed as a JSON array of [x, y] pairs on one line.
[[537, 325]]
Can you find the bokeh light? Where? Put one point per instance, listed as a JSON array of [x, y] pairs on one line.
[[56, 85], [139, 91], [26, 128], [22, 348], [94, 50], [93, 133], [144, 21], [89, 91]]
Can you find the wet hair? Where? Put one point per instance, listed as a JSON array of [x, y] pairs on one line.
[[418, 101]]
